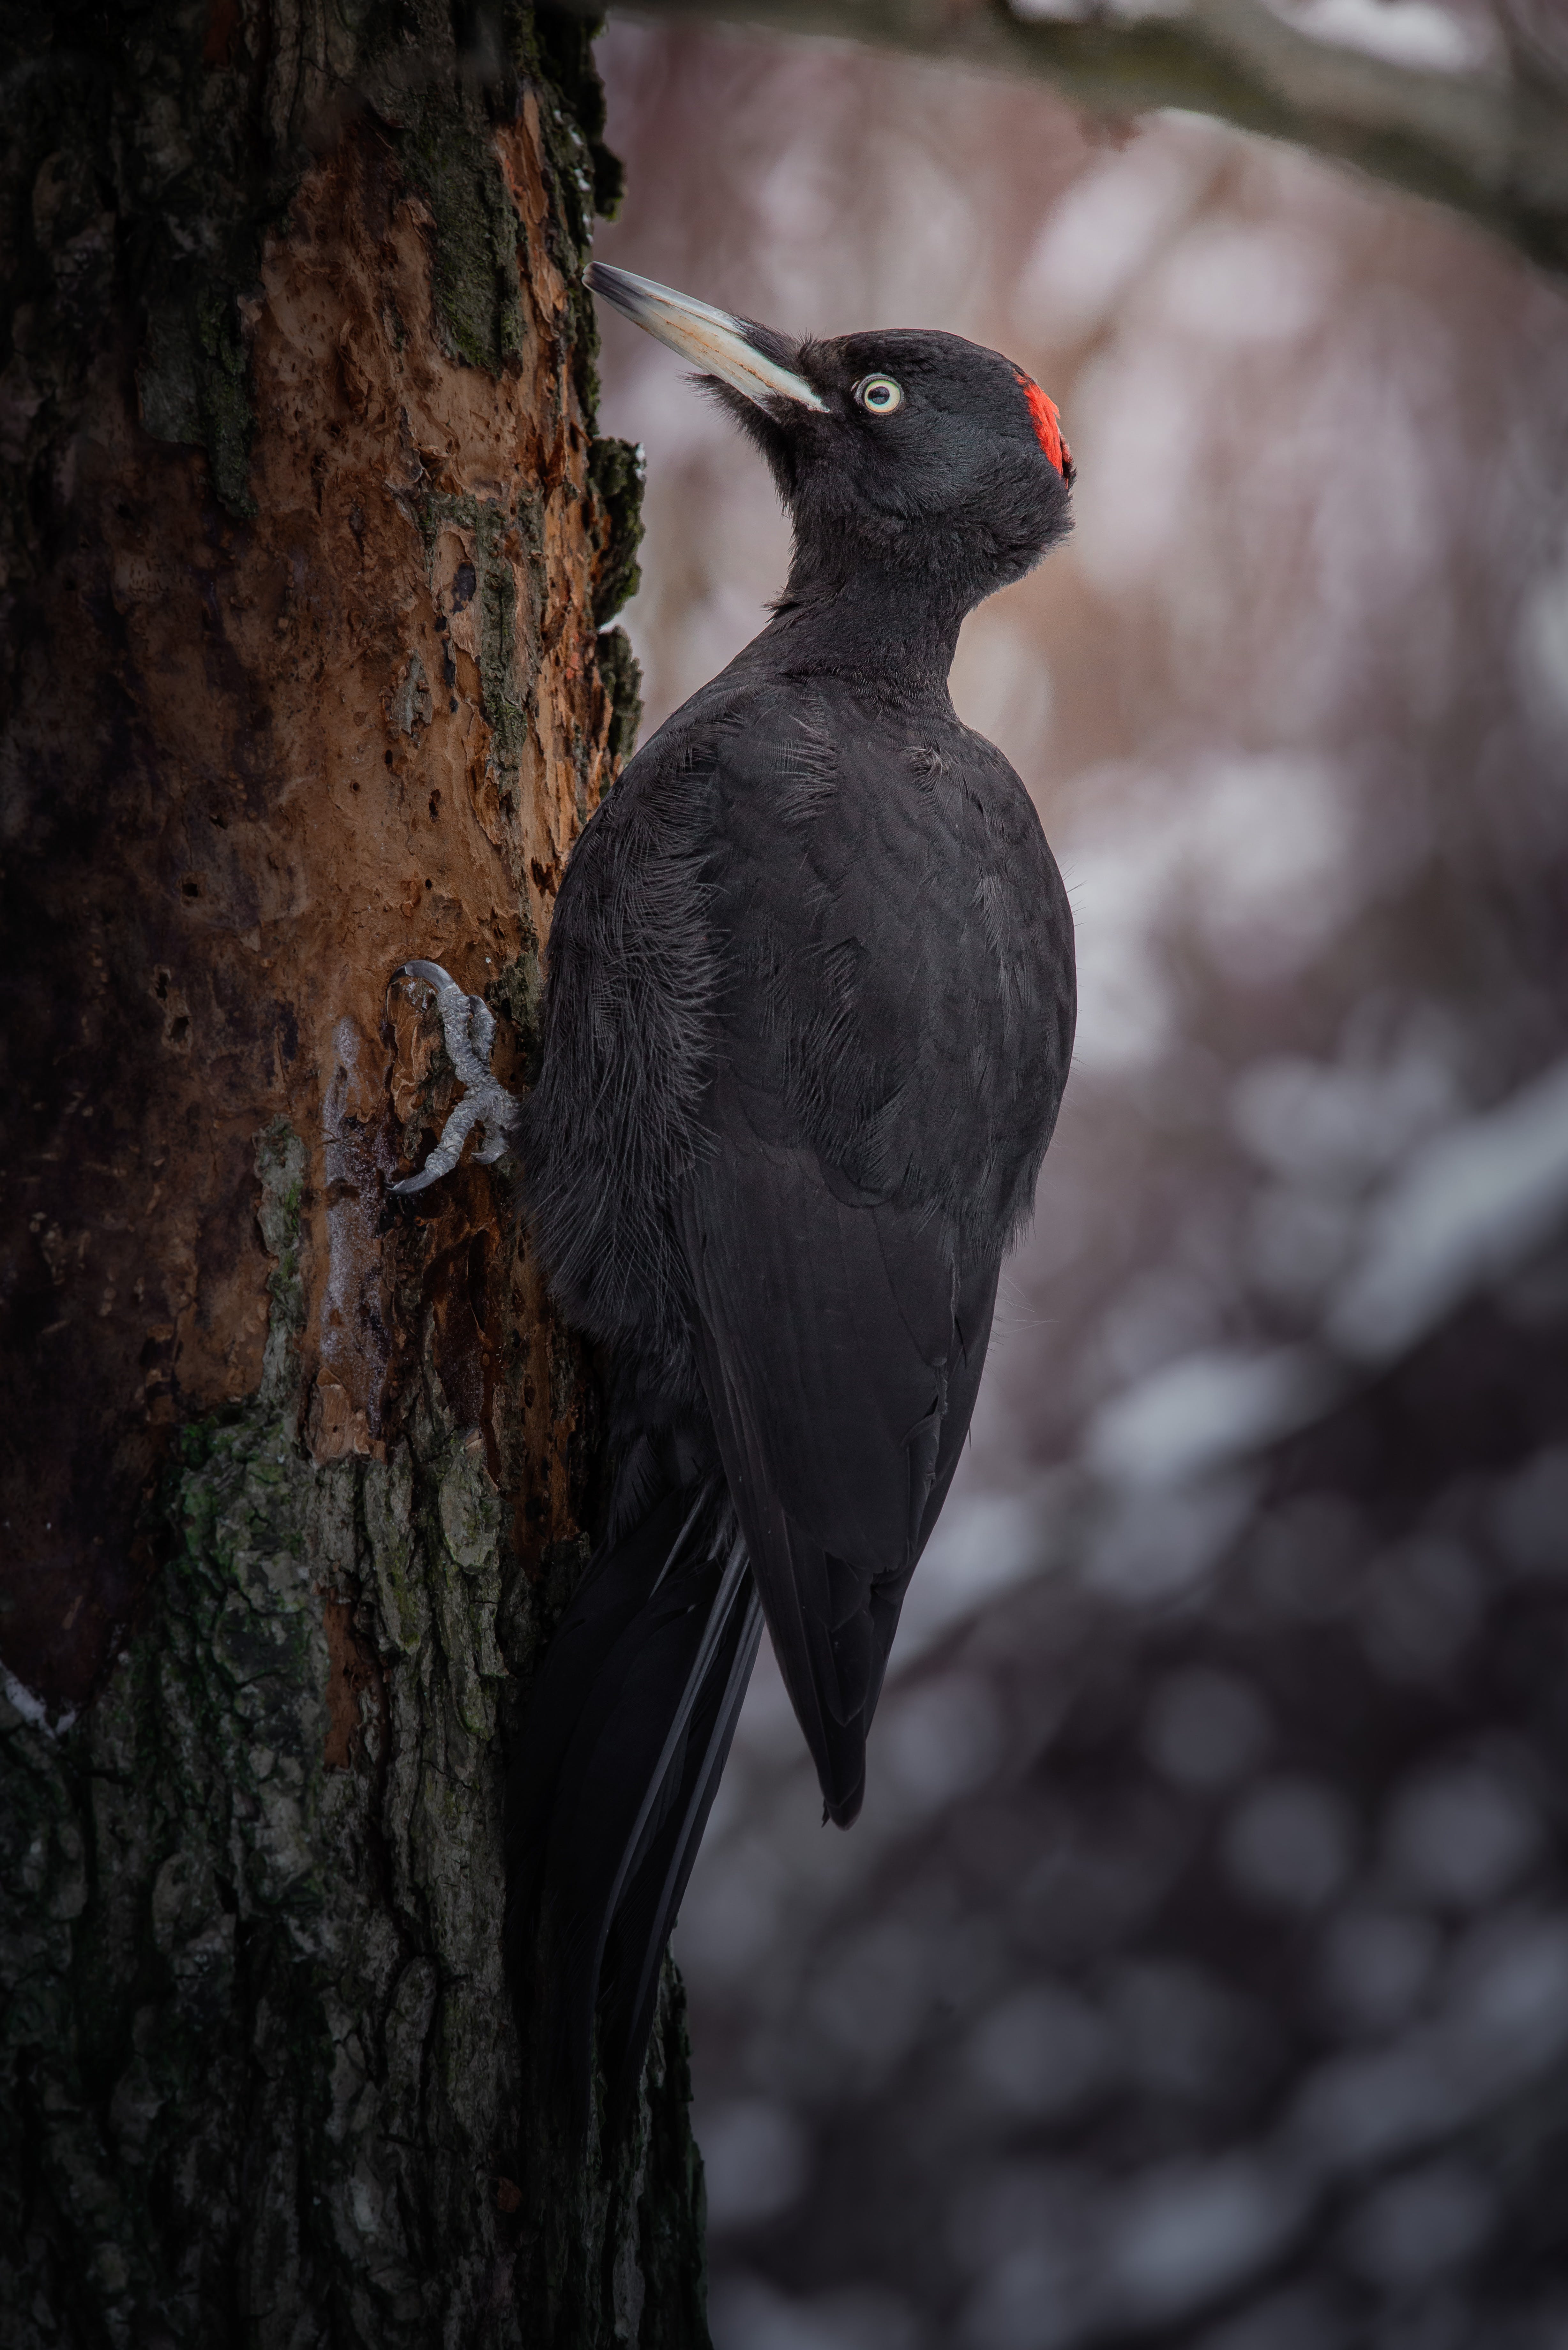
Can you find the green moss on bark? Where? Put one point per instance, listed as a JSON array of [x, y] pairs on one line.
[[258, 2055], [148, 153], [506, 695], [622, 678], [473, 262], [259, 2077], [616, 473]]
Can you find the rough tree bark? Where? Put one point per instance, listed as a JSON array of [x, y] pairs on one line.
[[307, 543]]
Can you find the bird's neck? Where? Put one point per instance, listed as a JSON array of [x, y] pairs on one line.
[[889, 629]]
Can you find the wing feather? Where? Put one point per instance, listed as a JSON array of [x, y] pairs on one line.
[[840, 1353]]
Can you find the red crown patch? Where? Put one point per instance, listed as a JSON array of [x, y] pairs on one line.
[[1047, 425]]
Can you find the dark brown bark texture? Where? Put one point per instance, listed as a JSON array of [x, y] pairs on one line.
[[308, 547]]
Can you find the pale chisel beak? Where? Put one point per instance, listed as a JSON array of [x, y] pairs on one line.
[[732, 349]]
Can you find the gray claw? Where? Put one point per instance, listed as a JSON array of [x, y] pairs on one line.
[[469, 1026]]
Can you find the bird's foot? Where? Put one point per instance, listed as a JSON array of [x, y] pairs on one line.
[[469, 1026]]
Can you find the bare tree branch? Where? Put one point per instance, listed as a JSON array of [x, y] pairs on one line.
[[1491, 142]]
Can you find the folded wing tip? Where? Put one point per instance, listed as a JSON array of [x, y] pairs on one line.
[[844, 1810]]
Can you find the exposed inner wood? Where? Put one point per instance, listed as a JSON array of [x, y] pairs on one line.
[[290, 755]]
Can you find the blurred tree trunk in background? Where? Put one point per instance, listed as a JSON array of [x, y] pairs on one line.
[[307, 541], [1477, 119]]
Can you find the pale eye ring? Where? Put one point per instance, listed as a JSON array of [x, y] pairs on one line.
[[878, 394]]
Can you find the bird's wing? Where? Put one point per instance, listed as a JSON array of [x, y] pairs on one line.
[[840, 1354], [891, 1023]]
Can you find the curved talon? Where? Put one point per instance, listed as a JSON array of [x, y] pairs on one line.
[[467, 1026]]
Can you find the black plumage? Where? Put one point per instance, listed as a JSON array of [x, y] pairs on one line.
[[808, 1018]]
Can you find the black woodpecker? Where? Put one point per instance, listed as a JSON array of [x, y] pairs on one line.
[[807, 1021]]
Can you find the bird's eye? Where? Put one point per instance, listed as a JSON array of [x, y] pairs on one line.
[[879, 393]]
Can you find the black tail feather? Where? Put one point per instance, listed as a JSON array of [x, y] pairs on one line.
[[627, 1729], [653, 1893]]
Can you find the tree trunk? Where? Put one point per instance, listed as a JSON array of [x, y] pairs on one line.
[[306, 540]]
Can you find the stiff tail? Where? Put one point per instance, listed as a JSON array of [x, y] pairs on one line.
[[627, 1732]]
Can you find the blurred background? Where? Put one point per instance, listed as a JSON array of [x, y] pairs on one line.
[[1197, 1973]]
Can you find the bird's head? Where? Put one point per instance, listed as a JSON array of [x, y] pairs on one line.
[[905, 450]]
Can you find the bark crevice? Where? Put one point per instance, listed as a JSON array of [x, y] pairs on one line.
[[301, 679]]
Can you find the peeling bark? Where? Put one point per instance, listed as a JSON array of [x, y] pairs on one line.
[[307, 543]]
